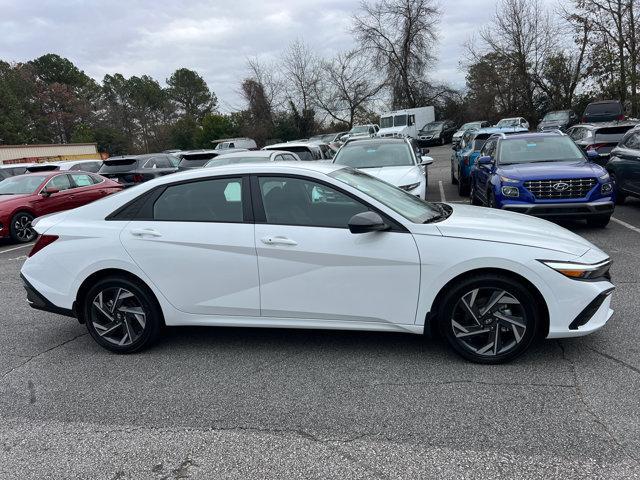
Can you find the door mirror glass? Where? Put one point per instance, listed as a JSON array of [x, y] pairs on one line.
[[592, 154], [367, 222]]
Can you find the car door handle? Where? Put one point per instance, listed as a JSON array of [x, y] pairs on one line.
[[278, 241], [145, 232]]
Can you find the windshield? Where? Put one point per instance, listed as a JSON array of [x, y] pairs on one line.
[[386, 122], [219, 162], [433, 127], [556, 117], [508, 122], [541, 149], [360, 129], [399, 120], [401, 202], [22, 185], [478, 143], [374, 155]]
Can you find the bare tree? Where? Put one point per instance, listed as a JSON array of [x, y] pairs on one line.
[[301, 68], [347, 86], [266, 74], [401, 35]]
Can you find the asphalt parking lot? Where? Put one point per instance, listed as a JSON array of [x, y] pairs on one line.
[[250, 403]]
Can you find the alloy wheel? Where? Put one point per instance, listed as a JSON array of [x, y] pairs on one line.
[[118, 316], [488, 321], [22, 228]]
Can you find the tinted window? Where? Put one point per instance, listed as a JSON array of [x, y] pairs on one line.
[[61, 182], [82, 180], [294, 201], [118, 166], [218, 200], [87, 167], [157, 162], [612, 108], [610, 134], [303, 152]]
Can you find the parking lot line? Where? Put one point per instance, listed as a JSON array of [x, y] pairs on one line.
[[625, 224], [442, 197], [16, 248]]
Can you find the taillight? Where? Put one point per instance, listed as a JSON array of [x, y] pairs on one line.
[[466, 160], [584, 120], [596, 146], [43, 241], [138, 178], [620, 117]]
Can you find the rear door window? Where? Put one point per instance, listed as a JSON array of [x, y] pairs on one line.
[[59, 182], [82, 180], [218, 200]]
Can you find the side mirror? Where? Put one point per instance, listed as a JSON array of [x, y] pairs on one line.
[[47, 192], [367, 222], [424, 151], [592, 154], [486, 160], [426, 160]]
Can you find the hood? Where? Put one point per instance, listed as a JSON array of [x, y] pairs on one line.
[[397, 176], [392, 130], [6, 199], [551, 170], [481, 223]]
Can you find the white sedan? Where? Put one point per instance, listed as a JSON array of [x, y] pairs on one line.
[[311, 245], [393, 160]]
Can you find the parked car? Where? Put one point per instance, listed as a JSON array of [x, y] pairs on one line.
[[234, 143], [28, 196], [330, 138], [436, 133], [457, 136], [369, 130], [599, 139], [542, 174], [134, 169], [306, 151], [11, 170], [624, 166], [393, 160], [603, 111], [254, 156], [513, 122], [464, 157], [324, 247], [92, 166], [558, 120]]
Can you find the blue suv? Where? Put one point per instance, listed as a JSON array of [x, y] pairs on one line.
[[543, 174], [464, 156]]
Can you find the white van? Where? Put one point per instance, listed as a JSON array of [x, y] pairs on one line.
[[241, 142], [405, 123]]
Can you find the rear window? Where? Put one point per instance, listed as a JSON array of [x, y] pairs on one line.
[[612, 108], [196, 159], [118, 166], [303, 152], [611, 134]]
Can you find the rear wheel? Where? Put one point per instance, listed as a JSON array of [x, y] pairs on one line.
[[489, 318], [463, 187], [122, 315], [598, 221], [21, 229], [442, 141]]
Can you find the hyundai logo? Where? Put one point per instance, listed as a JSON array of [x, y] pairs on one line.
[[560, 186]]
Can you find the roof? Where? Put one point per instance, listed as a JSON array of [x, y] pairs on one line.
[[376, 140], [250, 153], [492, 130], [536, 135], [597, 125], [278, 146]]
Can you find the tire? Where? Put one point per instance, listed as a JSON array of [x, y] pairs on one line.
[[491, 199], [21, 230], [463, 188], [118, 330], [598, 221], [473, 198], [454, 180], [514, 320], [620, 197], [442, 142]]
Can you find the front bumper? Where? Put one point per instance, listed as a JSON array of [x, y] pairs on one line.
[[573, 209], [39, 302], [591, 318]]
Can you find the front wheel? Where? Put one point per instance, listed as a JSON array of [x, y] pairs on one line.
[[620, 197], [473, 197], [489, 318], [598, 221], [122, 315], [21, 229]]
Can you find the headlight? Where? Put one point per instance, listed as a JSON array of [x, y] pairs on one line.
[[606, 188], [410, 187], [580, 271], [510, 191], [605, 177], [508, 180]]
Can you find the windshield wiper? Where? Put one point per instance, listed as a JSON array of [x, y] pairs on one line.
[[438, 216]]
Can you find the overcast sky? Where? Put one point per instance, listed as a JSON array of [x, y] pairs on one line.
[[136, 37]]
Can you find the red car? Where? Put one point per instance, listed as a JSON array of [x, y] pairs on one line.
[[25, 197]]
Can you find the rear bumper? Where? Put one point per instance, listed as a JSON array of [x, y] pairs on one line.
[[574, 209], [39, 302]]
